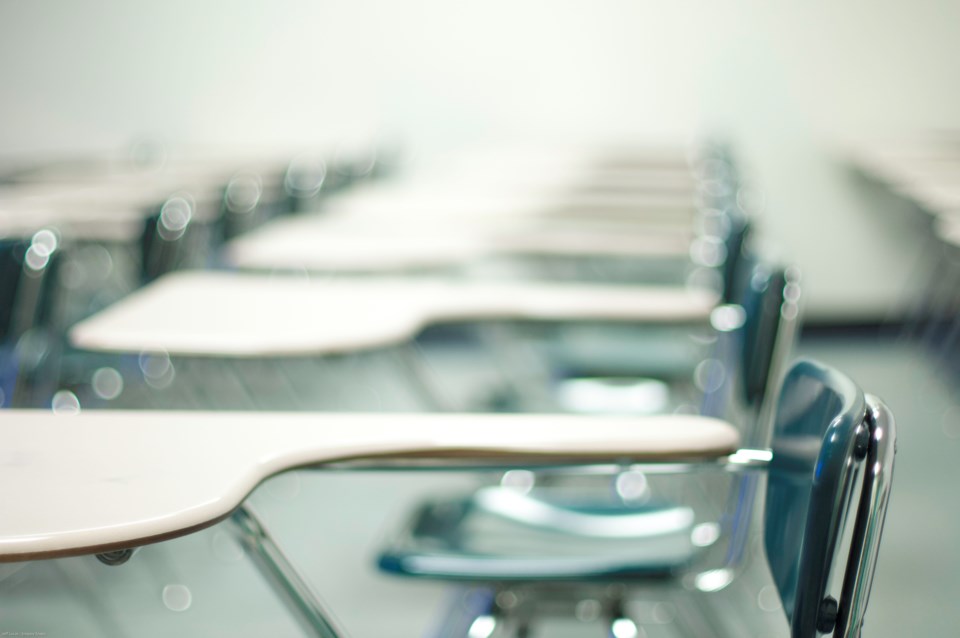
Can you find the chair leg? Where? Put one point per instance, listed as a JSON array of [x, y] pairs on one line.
[[283, 577]]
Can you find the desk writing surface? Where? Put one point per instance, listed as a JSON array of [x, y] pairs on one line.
[[98, 481], [318, 243], [246, 315]]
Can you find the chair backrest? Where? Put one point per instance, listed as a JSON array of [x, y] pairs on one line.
[[735, 269], [758, 351], [10, 271], [28, 273], [720, 187], [165, 236], [826, 498], [242, 206], [769, 300], [29, 268], [305, 178]]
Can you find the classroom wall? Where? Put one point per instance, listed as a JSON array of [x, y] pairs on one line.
[[788, 81]]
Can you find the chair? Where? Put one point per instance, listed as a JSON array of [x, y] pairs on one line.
[[28, 282], [827, 486], [171, 237], [753, 360]]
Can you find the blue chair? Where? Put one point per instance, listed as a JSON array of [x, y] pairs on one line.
[[173, 238], [610, 356], [751, 361], [245, 206], [28, 283], [753, 355], [305, 182], [828, 476]]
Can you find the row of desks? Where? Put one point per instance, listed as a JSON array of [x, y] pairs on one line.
[[133, 478]]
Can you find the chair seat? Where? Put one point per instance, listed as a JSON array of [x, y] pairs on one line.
[[501, 535]]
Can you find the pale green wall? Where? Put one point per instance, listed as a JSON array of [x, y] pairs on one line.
[[788, 80]]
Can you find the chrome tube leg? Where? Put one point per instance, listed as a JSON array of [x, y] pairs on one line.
[[520, 369], [83, 582], [467, 605], [476, 612], [942, 301], [417, 371], [285, 580], [922, 287]]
